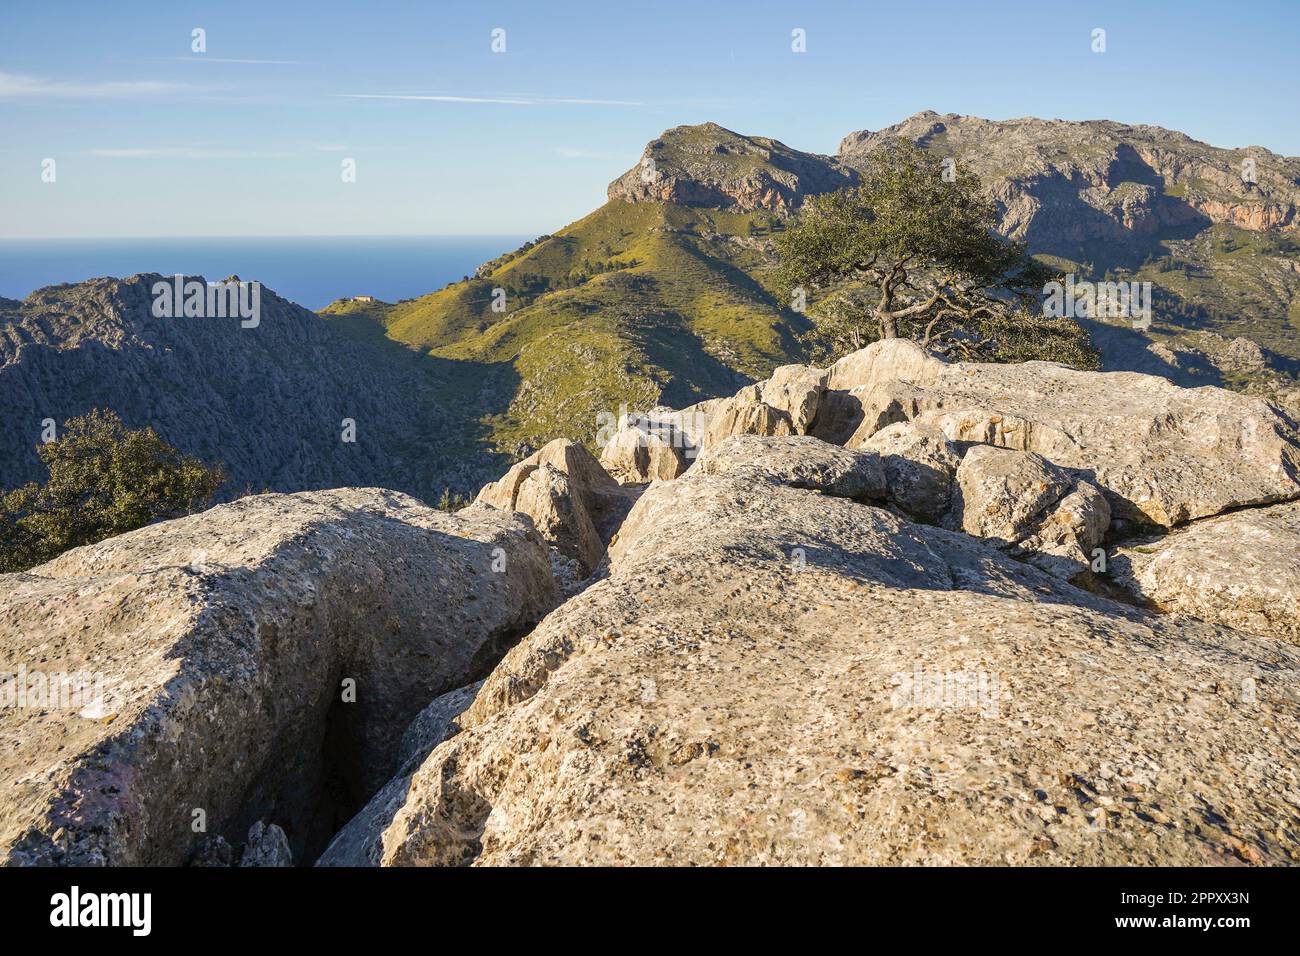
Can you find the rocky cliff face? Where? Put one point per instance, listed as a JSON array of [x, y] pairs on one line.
[[1213, 230], [271, 402], [946, 637], [1063, 185], [708, 165]]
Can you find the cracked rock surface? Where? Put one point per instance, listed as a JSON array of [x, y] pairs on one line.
[[228, 643], [920, 464], [769, 663], [1241, 569], [899, 694], [1164, 455]]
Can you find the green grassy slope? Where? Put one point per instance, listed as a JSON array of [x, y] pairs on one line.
[[1234, 282], [638, 303]]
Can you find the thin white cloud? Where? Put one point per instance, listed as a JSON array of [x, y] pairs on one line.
[[15, 85], [501, 100], [204, 58], [580, 102], [183, 152]]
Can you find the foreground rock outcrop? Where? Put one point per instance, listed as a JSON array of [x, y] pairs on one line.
[[787, 651], [1021, 501], [572, 500], [1163, 455], [1241, 569], [253, 664], [772, 674]]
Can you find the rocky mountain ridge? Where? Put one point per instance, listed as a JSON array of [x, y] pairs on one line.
[[1212, 229], [710, 166], [683, 251], [651, 301], [1064, 184], [272, 402]]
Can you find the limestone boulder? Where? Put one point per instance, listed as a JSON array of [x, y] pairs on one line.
[[919, 465], [868, 389], [1002, 494], [1021, 501], [258, 661], [659, 444], [797, 391], [572, 500], [743, 416], [1066, 541], [902, 694], [267, 846], [1240, 569], [799, 461], [693, 420], [644, 449], [889, 360], [1163, 454]]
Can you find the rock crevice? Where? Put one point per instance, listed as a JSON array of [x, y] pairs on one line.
[[260, 661]]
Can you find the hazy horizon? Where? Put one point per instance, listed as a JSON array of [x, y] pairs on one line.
[[309, 270]]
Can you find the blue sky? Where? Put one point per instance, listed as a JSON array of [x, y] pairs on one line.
[[151, 139]]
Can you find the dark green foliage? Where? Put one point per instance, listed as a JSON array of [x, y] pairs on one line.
[[1004, 335], [920, 249], [451, 501], [105, 479]]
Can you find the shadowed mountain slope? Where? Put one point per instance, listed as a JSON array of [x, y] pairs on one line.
[[269, 402]]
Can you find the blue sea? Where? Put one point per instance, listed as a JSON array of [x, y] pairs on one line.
[[312, 271]]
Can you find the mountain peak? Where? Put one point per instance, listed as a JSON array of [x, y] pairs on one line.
[[1065, 184], [710, 165]]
